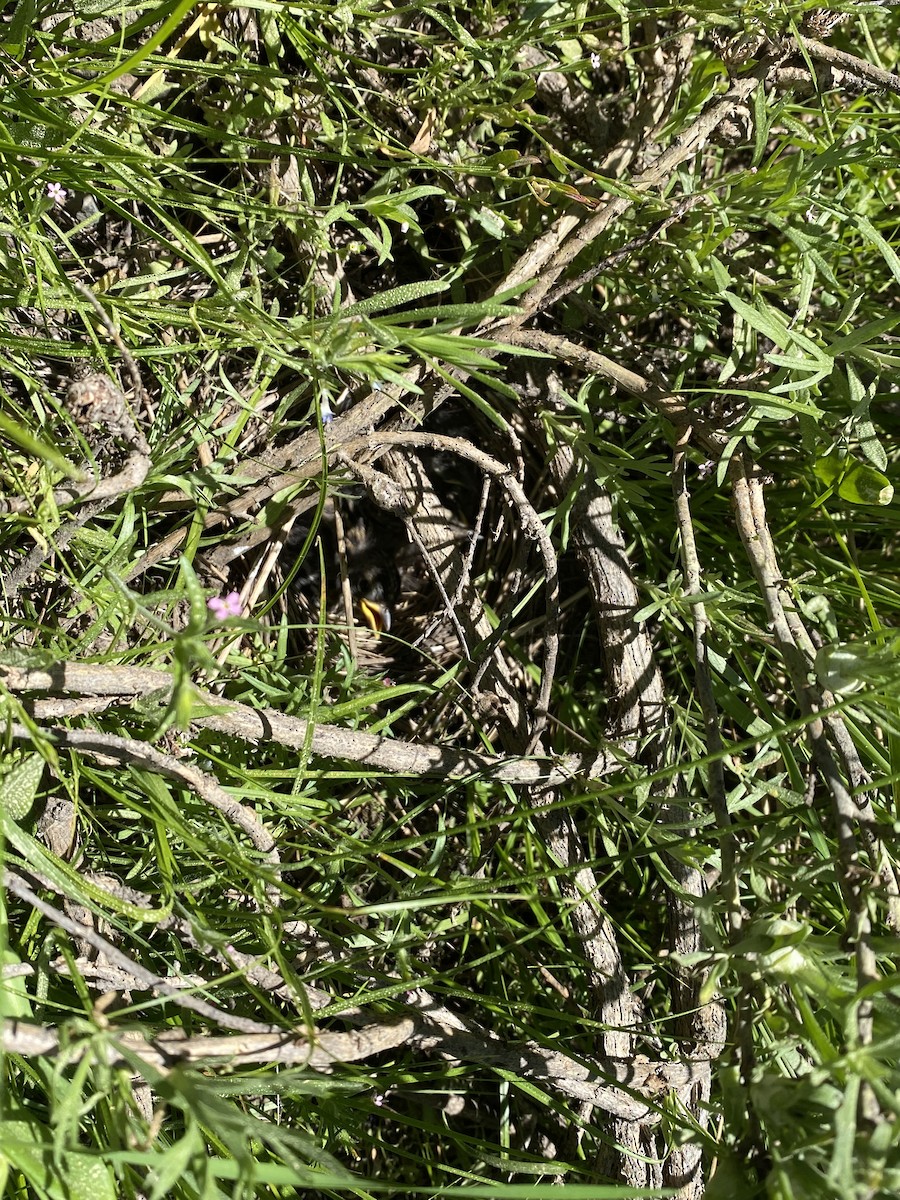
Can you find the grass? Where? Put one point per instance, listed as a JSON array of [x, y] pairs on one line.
[[311, 228]]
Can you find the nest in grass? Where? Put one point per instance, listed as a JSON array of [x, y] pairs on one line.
[[361, 579], [360, 565], [401, 626], [367, 564]]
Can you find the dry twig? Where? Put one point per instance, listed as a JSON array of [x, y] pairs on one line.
[[328, 741], [114, 956], [140, 754], [851, 63], [792, 637]]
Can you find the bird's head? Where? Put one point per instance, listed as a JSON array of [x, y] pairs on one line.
[[375, 583]]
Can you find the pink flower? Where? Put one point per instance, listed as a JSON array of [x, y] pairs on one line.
[[57, 193], [223, 607]]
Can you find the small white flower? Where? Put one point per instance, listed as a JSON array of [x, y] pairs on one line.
[[596, 61], [57, 193], [325, 410]]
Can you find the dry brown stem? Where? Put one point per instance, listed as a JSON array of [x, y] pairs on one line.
[[632, 1091], [852, 63], [627, 1090], [116, 958], [668, 404], [327, 741], [792, 639]]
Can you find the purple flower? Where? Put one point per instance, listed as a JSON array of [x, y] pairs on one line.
[[223, 607], [57, 193], [325, 409]]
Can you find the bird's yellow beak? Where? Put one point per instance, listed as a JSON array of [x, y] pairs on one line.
[[376, 616]]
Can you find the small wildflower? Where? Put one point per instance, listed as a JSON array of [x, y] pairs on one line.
[[57, 193], [596, 61], [706, 469], [223, 607], [325, 410]]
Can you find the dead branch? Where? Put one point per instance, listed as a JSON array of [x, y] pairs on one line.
[[547, 259], [328, 741], [750, 515], [113, 748], [668, 404], [857, 67], [113, 955], [693, 590], [632, 1091]]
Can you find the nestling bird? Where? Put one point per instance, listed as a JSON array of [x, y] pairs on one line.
[[373, 543], [389, 573]]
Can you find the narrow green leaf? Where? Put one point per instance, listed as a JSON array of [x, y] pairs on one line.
[[461, 351], [888, 253], [453, 27], [393, 297], [870, 332], [31, 445], [450, 315], [16, 1002], [767, 322], [871, 446]]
